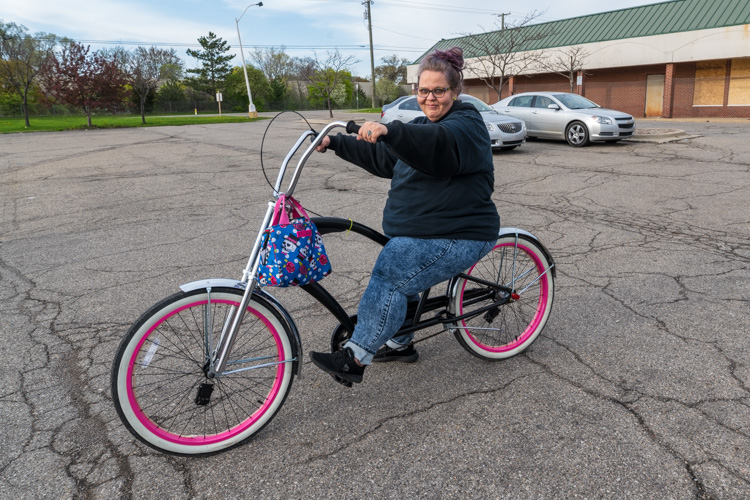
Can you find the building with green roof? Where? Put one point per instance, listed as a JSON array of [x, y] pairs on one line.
[[678, 58]]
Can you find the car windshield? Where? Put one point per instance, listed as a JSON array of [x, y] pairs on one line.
[[572, 101], [481, 107]]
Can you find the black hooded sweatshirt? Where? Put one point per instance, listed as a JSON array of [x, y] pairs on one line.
[[442, 175]]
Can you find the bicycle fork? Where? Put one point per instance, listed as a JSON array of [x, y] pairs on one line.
[[218, 358]]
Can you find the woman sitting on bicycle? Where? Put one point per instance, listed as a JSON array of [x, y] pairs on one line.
[[439, 214]]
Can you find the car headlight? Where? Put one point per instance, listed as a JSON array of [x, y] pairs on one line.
[[490, 128], [602, 119]]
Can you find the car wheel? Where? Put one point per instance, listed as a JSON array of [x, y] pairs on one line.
[[577, 135]]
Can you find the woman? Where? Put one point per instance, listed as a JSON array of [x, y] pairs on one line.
[[439, 213]]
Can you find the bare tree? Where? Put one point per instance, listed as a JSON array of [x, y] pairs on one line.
[[145, 68], [274, 63], [328, 75], [496, 56], [302, 69], [566, 62], [22, 58]]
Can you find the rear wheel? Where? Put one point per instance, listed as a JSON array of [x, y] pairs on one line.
[[160, 382], [509, 329]]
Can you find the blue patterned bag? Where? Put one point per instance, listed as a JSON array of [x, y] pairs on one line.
[[292, 250]]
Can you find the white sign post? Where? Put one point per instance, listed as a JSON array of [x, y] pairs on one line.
[[218, 99]]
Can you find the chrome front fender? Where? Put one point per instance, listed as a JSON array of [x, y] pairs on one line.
[[241, 285]]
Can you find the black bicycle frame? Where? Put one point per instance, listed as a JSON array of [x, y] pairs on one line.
[[426, 303]]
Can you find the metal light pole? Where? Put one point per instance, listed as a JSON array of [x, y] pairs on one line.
[[372, 56], [251, 107]]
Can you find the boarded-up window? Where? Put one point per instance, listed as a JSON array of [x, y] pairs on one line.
[[739, 82], [710, 77], [482, 93]]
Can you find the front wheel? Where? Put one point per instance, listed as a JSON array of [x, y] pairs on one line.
[[160, 382], [520, 265], [577, 135]]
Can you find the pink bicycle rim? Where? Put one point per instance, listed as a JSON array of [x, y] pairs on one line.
[[215, 438], [543, 292]]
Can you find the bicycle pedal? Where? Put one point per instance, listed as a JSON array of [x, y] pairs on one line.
[[345, 383]]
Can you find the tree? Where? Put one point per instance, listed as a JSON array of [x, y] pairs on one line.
[[566, 63], [498, 55], [145, 68], [393, 69], [87, 81], [22, 58], [387, 90], [171, 92], [215, 64], [273, 62], [302, 70], [277, 66], [236, 89], [329, 75]]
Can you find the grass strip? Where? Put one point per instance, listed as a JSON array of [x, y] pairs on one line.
[[60, 123]]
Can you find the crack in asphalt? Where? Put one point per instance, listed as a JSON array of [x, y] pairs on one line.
[[405, 415]]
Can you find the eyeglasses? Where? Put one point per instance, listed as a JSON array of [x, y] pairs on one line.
[[437, 91]]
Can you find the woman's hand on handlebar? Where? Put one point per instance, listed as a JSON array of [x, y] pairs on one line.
[[368, 131], [371, 131], [323, 145]]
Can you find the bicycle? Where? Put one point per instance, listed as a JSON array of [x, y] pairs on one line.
[[205, 369]]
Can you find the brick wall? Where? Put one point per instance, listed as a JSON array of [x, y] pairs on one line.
[[623, 89], [684, 88]]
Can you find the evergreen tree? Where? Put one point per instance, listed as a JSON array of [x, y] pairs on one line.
[[211, 76]]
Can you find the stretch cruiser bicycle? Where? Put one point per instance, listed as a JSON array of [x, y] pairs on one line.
[[204, 370]]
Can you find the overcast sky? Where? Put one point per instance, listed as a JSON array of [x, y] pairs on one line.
[[406, 28]]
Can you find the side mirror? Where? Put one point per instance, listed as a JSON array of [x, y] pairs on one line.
[[553, 106]]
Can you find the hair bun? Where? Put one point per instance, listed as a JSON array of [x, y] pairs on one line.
[[454, 56]]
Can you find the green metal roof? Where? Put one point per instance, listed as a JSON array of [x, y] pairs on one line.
[[647, 20]]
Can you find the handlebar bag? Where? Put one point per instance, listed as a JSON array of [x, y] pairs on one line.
[[292, 249]]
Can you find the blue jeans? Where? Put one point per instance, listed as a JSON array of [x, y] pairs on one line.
[[406, 267]]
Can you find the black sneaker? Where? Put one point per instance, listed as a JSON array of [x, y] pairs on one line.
[[339, 363], [406, 354]]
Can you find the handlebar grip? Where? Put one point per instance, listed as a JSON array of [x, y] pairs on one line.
[[352, 128]]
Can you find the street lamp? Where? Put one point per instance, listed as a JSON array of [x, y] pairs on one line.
[[251, 107]]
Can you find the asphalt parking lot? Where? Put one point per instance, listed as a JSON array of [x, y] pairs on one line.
[[639, 387]]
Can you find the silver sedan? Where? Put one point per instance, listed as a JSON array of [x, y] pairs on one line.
[[505, 132], [559, 115]]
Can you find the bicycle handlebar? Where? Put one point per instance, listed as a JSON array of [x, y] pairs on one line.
[[317, 139], [352, 128]]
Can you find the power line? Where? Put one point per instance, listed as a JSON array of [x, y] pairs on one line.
[[427, 6], [286, 46], [432, 40], [433, 7]]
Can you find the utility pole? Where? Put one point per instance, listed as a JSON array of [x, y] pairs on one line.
[[372, 56], [502, 19]]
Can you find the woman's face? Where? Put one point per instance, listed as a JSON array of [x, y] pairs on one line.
[[434, 107]]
